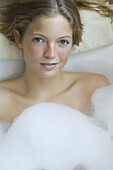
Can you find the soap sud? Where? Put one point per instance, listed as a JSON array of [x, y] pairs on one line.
[[102, 101], [55, 137], [80, 167]]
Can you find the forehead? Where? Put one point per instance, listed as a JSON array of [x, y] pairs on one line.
[[57, 24]]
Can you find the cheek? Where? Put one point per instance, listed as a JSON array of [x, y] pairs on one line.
[[64, 53], [32, 52]]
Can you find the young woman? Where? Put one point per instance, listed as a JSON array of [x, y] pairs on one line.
[[47, 135], [46, 32]]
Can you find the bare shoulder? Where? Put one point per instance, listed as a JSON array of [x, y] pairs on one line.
[[4, 99], [82, 86], [96, 80], [11, 85], [89, 81], [7, 95]]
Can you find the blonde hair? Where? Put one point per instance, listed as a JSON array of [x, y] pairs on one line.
[[100, 6], [17, 14]]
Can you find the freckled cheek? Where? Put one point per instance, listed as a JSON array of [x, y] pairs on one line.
[[65, 54], [33, 53]]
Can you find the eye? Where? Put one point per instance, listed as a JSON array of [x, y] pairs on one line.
[[38, 40], [63, 42]]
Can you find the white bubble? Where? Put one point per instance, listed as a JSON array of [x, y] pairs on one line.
[[49, 136]]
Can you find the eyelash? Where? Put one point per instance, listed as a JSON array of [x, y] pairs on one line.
[[35, 40], [42, 41], [66, 42]]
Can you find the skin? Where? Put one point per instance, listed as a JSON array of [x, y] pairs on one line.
[[47, 40]]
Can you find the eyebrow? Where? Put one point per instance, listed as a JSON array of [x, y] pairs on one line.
[[65, 36]]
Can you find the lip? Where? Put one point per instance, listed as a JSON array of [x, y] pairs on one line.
[[48, 65]]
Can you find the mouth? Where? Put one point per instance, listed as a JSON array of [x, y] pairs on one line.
[[48, 65]]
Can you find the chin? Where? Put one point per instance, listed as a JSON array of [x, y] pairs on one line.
[[48, 75]]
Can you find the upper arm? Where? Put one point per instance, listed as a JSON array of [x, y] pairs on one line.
[[4, 99], [98, 81], [94, 81], [102, 81]]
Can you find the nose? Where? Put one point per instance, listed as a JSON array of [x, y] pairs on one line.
[[50, 51]]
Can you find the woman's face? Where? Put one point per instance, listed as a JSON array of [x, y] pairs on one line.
[[46, 45]]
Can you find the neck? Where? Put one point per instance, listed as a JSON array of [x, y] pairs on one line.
[[38, 87]]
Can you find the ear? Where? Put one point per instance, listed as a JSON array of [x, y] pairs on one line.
[[18, 38]]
